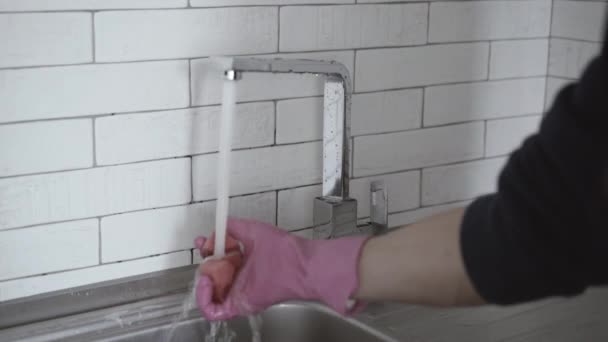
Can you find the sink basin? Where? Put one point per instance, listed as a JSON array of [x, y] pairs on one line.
[[295, 322]]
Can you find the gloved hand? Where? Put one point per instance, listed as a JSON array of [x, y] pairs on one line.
[[276, 267]]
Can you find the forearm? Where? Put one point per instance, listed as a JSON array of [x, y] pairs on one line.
[[420, 264]]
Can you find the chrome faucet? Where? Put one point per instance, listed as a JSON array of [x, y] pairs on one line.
[[335, 213]]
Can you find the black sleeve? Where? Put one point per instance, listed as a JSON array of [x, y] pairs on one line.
[[545, 231]]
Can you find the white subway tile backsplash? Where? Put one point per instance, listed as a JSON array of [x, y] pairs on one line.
[[386, 111], [58, 246], [377, 154], [452, 21], [206, 81], [296, 207], [57, 5], [299, 120], [45, 39], [179, 132], [413, 216], [483, 100], [64, 280], [554, 85], [172, 229], [71, 195], [356, 26], [45, 146], [145, 35], [263, 169], [568, 58], [505, 135], [403, 191], [54, 92], [578, 19], [222, 3], [518, 58], [459, 182], [418, 66]]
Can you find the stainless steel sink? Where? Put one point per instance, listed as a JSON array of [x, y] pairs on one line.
[[127, 310]]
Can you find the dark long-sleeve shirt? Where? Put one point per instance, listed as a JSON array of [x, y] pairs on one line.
[[545, 231]]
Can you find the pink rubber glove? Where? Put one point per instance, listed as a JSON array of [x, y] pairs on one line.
[[278, 267]]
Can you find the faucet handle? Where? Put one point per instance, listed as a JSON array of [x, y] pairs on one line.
[[378, 206]]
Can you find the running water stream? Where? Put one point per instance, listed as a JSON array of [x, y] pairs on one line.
[[220, 331]]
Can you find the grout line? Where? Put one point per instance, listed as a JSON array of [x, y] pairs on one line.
[[420, 189], [428, 23], [489, 61], [423, 110], [93, 37], [545, 107], [100, 240], [279, 28], [276, 208], [190, 88], [274, 141], [94, 136], [191, 179], [485, 138]]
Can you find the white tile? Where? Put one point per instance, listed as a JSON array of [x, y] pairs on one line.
[[45, 39], [518, 58], [299, 120], [403, 191], [377, 154], [296, 207], [222, 3], [578, 19], [261, 169], [486, 20], [57, 247], [54, 92], [483, 100], [179, 132], [568, 58], [45, 146], [505, 135], [145, 35], [418, 66], [347, 27], [93, 192], [46, 5], [413, 216], [386, 111], [207, 81], [554, 85], [58, 281], [460, 181], [172, 229]]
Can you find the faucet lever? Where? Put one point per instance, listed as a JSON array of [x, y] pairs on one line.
[[378, 206]]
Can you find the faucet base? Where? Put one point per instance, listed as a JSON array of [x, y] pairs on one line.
[[334, 217]]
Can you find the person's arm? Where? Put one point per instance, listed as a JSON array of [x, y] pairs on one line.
[[419, 264]]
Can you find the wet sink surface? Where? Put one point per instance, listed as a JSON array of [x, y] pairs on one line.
[[296, 322]]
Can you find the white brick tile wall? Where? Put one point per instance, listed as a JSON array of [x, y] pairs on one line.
[[483, 100], [54, 5], [45, 39], [206, 81], [144, 35], [48, 145], [296, 207], [52, 197], [173, 229], [59, 281], [578, 19], [299, 120], [568, 58], [505, 135], [302, 119], [413, 216], [518, 58], [386, 111], [130, 82], [220, 3], [417, 66], [481, 20], [179, 132], [554, 85], [401, 151], [54, 92], [58, 247], [403, 190], [459, 182], [259, 170], [356, 26]]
